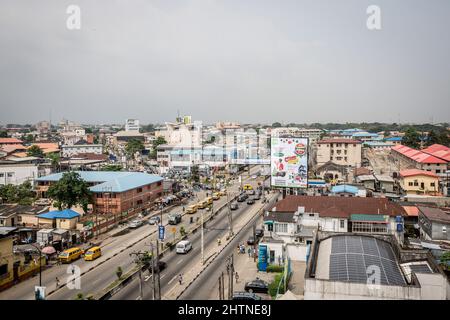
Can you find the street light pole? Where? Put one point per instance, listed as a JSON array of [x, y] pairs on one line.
[[202, 240]]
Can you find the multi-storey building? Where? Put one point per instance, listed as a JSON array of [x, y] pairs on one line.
[[340, 151]]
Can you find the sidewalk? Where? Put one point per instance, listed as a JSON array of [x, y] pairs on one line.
[[212, 251], [247, 271]]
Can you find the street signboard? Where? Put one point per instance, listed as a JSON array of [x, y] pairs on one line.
[[262, 258], [161, 233], [289, 162], [39, 293]]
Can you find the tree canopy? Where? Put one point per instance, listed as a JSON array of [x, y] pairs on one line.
[[158, 141], [21, 194], [411, 138], [69, 191], [133, 146], [35, 151]]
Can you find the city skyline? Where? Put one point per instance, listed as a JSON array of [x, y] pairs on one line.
[[296, 62]]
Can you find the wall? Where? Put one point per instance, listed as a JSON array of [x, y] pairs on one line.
[[428, 189], [297, 252], [68, 151], [316, 289], [433, 286], [437, 233], [18, 173], [66, 223], [6, 257]]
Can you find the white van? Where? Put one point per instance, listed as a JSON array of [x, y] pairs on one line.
[[184, 246]]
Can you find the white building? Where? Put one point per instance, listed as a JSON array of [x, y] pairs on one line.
[[70, 150], [17, 171], [132, 125], [340, 151], [312, 134]]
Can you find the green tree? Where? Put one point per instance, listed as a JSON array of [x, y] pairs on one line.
[[54, 160], [276, 125], [21, 194], [432, 138], [35, 151], [111, 167], [3, 134], [195, 177], [158, 141], [444, 139], [133, 146], [29, 138], [411, 138], [69, 191], [119, 272]]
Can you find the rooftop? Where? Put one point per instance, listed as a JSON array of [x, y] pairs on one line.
[[435, 214], [416, 155], [10, 141], [64, 214], [341, 207], [417, 172], [348, 141], [10, 209], [439, 151], [111, 181]]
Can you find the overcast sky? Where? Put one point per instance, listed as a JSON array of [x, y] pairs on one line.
[[236, 60]]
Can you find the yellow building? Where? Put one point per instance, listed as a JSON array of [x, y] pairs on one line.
[[6, 261], [415, 181]]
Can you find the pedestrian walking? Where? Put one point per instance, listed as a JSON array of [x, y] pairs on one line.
[[180, 278], [73, 269], [57, 282], [249, 252], [237, 277]]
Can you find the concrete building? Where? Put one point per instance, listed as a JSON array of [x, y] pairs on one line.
[[419, 159], [363, 267], [114, 192], [81, 147], [414, 181], [132, 125], [312, 134], [345, 152], [384, 183], [434, 223], [65, 219], [368, 181]]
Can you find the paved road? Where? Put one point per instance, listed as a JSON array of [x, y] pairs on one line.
[[201, 288]]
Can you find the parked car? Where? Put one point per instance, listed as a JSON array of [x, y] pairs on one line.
[[241, 198], [257, 197], [259, 233], [154, 220], [251, 241], [234, 206], [251, 192], [250, 201], [135, 224], [245, 296], [257, 285]]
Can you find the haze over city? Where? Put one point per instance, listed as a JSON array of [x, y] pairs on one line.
[[246, 61]]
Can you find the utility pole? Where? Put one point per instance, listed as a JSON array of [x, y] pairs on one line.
[[202, 239], [159, 271], [223, 287], [254, 242], [153, 271], [220, 288]]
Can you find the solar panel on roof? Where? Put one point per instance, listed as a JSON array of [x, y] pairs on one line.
[[420, 268], [355, 258]]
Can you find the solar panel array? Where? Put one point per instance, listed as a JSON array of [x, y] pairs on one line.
[[355, 258], [420, 268]]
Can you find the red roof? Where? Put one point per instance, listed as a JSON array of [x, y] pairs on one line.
[[417, 172], [339, 207], [10, 141], [411, 211], [439, 151], [352, 141], [416, 155]]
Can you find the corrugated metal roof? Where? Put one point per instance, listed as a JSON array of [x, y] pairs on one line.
[[64, 214], [344, 188], [111, 181], [369, 217]]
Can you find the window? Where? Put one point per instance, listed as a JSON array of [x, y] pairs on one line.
[[342, 224], [10, 174], [416, 183], [432, 184], [410, 184], [2, 175], [438, 171], [281, 227], [139, 190]]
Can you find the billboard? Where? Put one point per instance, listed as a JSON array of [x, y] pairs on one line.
[[289, 162]]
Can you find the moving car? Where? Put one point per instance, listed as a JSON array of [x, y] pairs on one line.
[[93, 253], [70, 255], [250, 201], [241, 198], [248, 187], [135, 224], [251, 192], [234, 206], [251, 241], [154, 220], [184, 246], [192, 209], [245, 296], [216, 196], [257, 285], [174, 218], [223, 192], [257, 197]]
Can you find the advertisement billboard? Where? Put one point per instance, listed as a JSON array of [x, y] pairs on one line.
[[289, 162]]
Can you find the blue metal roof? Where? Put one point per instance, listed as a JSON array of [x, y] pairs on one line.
[[394, 139], [344, 188], [111, 181], [64, 214], [364, 134]]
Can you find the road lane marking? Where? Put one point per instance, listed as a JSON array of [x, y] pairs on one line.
[[146, 278], [163, 276], [180, 261], [171, 280]]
